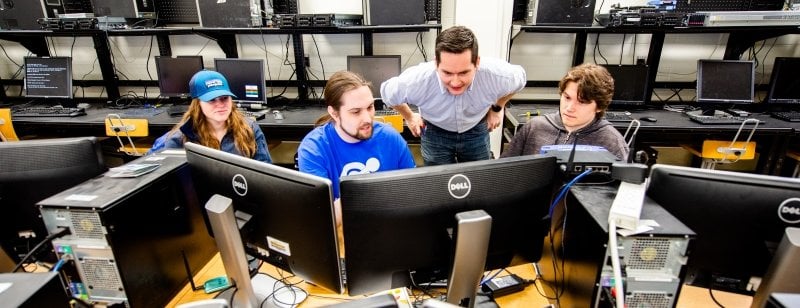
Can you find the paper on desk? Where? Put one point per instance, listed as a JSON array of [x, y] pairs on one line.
[[4, 286], [644, 225]]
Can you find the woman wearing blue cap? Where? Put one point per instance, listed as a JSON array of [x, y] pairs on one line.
[[212, 121]]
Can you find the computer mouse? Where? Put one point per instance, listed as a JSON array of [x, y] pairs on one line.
[[278, 115], [648, 119]]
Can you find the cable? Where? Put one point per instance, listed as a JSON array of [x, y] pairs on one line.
[[612, 246], [59, 233], [565, 189], [711, 293]]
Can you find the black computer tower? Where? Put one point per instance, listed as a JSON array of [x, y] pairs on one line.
[[129, 237], [230, 13], [33, 290], [560, 12], [389, 12], [176, 12], [577, 266], [21, 15]]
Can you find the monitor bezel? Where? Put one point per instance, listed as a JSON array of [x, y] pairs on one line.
[[68, 92], [376, 88], [159, 71], [699, 84], [779, 68], [262, 86], [641, 72]]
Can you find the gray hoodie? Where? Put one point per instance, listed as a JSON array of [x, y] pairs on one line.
[[549, 130]]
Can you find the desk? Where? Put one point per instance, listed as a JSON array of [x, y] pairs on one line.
[[318, 297], [773, 136]]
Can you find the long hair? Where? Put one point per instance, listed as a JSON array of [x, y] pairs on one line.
[[340, 83], [594, 83], [243, 135]]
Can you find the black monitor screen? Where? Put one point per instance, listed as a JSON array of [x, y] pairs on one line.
[[784, 85], [286, 216], [630, 84], [399, 222], [375, 69], [30, 172], [174, 74], [48, 77], [739, 220], [115, 8], [725, 81], [245, 77]]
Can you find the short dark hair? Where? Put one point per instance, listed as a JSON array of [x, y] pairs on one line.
[[457, 40], [594, 83]]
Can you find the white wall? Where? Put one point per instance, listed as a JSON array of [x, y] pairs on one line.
[[545, 56]]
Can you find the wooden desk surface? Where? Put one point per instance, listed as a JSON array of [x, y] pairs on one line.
[[318, 297]]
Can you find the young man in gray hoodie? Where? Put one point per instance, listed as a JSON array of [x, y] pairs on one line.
[[586, 92]]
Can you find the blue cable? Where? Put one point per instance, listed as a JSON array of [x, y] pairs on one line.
[[484, 281], [58, 265], [565, 189]]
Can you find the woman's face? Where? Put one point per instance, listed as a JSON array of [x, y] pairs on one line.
[[576, 113], [218, 109]]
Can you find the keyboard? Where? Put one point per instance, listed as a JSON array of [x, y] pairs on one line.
[[791, 116], [138, 113], [48, 112], [386, 112], [719, 119], [613, 116], [255, 115]]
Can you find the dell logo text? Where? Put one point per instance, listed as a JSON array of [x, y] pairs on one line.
[[459, 186], [239, 184], [789, 210]]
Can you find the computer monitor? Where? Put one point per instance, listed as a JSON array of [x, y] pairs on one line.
[[174, 74], [739, 220], [21, 15], [630, 85], [48, 77], [375, 69], [397, 224], [724, 82], [31, 171], [246, 80], [290, 221], [784, 86]]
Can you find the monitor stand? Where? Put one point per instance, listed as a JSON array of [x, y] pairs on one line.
[[472, 243], [246, 292]]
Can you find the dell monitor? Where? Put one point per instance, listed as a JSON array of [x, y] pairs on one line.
[[246, 80], [724, 83], [33, 170], [48, 77], [174, 74], [286, 217], [375, 69], [739, 220], [784, 85], [398, 224], [630, 85]]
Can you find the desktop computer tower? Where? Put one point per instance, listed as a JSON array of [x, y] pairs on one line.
[[230, 13], [132, 240], [653, 263], [21, 15], [560, 12], [388, 12]]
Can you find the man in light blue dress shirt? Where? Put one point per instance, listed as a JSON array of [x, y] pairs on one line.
[[459, 95]]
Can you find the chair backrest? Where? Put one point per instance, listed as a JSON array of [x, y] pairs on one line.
[[7, 132], [127, 128]]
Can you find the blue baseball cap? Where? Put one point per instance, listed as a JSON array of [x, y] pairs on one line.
[[207, 85]]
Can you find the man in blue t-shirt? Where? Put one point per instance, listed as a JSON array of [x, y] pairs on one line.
[[348, 141]]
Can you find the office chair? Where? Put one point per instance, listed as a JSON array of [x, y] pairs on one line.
[[127, 128], [7, 132], [716, 152]]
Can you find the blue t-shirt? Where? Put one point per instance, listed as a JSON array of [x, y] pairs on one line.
[[323, 153]]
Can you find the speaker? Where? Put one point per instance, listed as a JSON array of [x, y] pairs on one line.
[[389, 12], [560, 12]]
